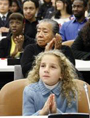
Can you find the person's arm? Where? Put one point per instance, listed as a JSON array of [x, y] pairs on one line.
[[78, 48], [27, 59], [28, 103], [3, 48], [62, 32]]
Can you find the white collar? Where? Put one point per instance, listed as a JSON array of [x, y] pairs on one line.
[[1, 15], [51, 87]]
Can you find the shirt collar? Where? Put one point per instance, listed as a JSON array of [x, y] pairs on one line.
[[45, 90], [75, 20], [1, 15]]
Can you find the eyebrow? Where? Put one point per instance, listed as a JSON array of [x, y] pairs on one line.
[[50, 63]]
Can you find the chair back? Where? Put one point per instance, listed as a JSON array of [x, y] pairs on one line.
[[11, 96]]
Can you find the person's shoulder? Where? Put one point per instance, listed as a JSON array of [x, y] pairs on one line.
[[6, 39], [31, 46], [68, 22], [29, 39], [32, 87]]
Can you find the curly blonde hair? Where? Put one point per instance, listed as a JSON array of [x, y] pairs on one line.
[[67, 70]]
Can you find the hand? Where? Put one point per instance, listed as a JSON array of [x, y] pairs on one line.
[[53, 107], [50, 45], [4, 29], [57, 41], [19, 40], [45, 110]]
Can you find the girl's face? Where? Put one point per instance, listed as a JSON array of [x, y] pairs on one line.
[[60, 5], [50, 71], [14, 7]]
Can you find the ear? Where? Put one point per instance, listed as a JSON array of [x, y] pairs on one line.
[[23, 26], [61, 77]]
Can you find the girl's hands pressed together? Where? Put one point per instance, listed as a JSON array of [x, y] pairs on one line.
[[50, 106]]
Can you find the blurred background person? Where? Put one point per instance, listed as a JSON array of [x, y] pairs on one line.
[[43, 9], [51, 11], [4, 15], [81, 47], [63, 11], [30, 8], [69, 30], [13, 45], [16, 6]]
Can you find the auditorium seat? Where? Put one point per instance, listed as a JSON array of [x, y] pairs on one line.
[[11, 97]]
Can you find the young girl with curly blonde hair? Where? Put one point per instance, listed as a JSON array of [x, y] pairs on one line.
[[51, 89]]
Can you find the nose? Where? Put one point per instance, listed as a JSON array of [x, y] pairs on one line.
[[46, 69], [28, 10], [40, 34], [14, 25]]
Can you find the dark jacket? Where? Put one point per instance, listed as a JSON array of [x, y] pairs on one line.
[[30, 28], [80, 50], [42, 10], [6, 24], [5, 45], [32, 50], [50, 12]]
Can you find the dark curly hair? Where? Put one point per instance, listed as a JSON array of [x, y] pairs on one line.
[[86, 33]]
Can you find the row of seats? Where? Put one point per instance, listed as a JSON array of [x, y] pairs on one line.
[[11, 98]]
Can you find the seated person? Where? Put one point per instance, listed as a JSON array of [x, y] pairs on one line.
[[14, 44], [30, 8], [16, 6], [4, 15], [63, 11], [81, 46], [43, 9], [47, 38], [51, 89], [69, 30]]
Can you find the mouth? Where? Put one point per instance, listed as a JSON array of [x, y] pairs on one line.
[[14, 30], [46, 76], [29, 16], [40, 40]]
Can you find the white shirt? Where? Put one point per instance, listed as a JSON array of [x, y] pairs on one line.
[[1, 15]]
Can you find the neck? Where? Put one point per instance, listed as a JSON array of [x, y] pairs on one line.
[[32, 20], [80, 19], [64, 14], [51, 86]]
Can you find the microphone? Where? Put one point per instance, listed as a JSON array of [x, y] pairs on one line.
[[87, 95]]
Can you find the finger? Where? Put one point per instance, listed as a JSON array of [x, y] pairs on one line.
[[50, 45]]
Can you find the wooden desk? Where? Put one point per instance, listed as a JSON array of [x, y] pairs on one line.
[[4, 67]]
